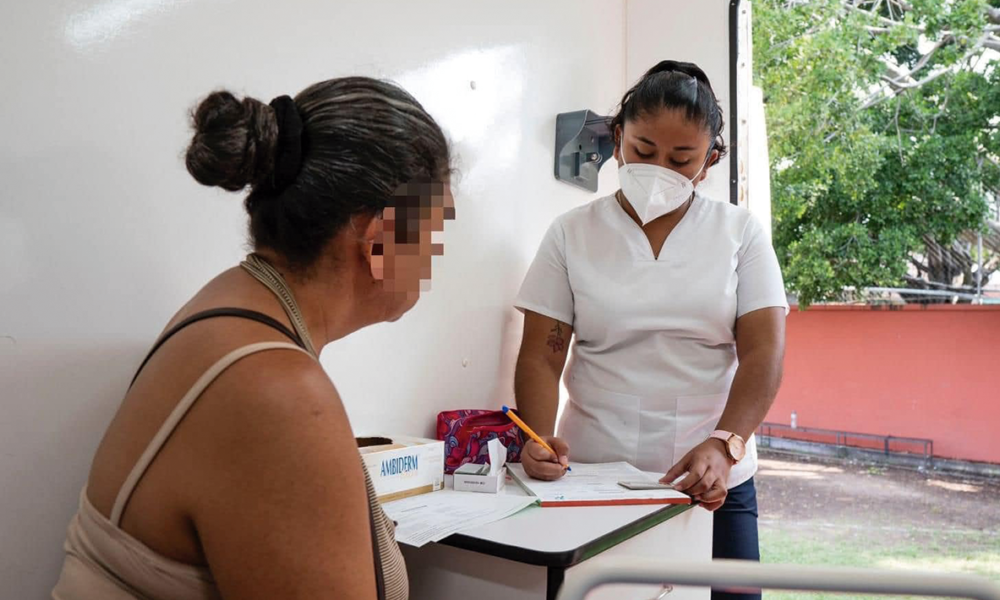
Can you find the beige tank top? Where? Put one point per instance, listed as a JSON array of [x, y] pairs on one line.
[[102, 561]]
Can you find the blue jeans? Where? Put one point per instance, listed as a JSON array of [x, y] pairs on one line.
[[735, 532]]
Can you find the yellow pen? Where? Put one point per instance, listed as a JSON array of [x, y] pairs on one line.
[[524, 427]]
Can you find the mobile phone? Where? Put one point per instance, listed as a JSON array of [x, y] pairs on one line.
[[644, 484]]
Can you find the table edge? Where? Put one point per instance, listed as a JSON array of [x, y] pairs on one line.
[[567, 558]]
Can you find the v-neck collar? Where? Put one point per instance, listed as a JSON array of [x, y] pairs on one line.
[[636, 239]]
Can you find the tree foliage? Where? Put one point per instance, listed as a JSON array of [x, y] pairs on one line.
[[884, 132]]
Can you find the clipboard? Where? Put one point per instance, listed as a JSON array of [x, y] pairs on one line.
[[596, 485]]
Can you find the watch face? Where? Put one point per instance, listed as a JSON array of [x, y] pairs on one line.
[[737, 448]]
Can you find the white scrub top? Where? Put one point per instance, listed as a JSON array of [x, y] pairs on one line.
[[654, 353]]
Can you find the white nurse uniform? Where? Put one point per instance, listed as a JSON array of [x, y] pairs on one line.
[[654, 353]]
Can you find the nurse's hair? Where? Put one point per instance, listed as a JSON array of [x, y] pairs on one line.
[[674, 85], [339, 148]]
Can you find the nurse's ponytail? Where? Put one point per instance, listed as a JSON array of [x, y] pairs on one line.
[[672, 84]]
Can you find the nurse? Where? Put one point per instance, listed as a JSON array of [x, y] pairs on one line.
[[675, 306]]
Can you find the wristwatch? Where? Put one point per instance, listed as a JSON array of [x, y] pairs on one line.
[[736, 446]]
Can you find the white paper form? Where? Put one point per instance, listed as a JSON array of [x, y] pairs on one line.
[[593, 483], [432, 517]]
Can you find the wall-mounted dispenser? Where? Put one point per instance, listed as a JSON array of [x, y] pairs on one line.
[[583, 144]]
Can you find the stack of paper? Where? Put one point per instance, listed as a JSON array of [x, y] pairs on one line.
[[595, 485], [432, 517]]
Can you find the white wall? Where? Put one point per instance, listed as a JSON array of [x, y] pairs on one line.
[[696, 32], [759, 163], [103, 235]]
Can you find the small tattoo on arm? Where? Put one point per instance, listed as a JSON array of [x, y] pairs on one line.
[[556, 341]]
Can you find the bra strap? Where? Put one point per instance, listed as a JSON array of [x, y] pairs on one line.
[[242, 313], [178, 413]]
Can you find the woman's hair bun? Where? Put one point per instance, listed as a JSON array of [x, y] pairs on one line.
[[234, 142]]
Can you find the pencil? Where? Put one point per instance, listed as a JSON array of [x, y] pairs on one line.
[[524, 427]]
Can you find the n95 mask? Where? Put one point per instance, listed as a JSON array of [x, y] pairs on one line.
[[652, 190]]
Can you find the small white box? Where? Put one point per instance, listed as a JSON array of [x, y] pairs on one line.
[[479, 480], [403, 466], [488, 478]]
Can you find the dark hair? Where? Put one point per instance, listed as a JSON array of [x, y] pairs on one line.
[[676, 85], [361, 139]]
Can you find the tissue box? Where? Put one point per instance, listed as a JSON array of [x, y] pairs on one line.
[[402, 466], [487, 478], [476, 478]]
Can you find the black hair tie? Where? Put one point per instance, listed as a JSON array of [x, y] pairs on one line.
[[288, 153]]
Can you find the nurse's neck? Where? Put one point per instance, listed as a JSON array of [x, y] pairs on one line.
[[663, 223], [658, 230]]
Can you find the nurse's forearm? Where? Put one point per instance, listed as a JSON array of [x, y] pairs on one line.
[[536, 388], [540, 362], [754, 388]]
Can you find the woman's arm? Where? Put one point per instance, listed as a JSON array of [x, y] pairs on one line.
[[540, 362], [760, 347], [282, 510]]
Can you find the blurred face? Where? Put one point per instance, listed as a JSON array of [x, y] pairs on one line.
[[406, 241], [669, 139]]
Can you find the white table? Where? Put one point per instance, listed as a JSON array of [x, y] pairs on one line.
[[530, 554]]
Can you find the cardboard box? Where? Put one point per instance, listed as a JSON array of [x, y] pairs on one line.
[[476, 478], [488, 478], [402, 466]]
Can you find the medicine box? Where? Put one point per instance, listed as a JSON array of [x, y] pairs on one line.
[[476, 478], [403, 466]]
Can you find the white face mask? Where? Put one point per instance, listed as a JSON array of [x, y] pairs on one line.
[[652, 190]]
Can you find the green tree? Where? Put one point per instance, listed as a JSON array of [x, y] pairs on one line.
[[884, 132]]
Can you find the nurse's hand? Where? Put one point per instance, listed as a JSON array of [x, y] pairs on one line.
[[539, 462], [707, 467]]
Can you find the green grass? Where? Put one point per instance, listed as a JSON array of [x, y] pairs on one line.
[[953, 552]]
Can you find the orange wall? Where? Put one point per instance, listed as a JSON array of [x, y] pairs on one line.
[[908, 371]]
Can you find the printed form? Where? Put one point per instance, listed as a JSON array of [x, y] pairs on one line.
[[595, 484], [432, 517]]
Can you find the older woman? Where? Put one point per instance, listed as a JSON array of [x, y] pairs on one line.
[[230, 469]]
